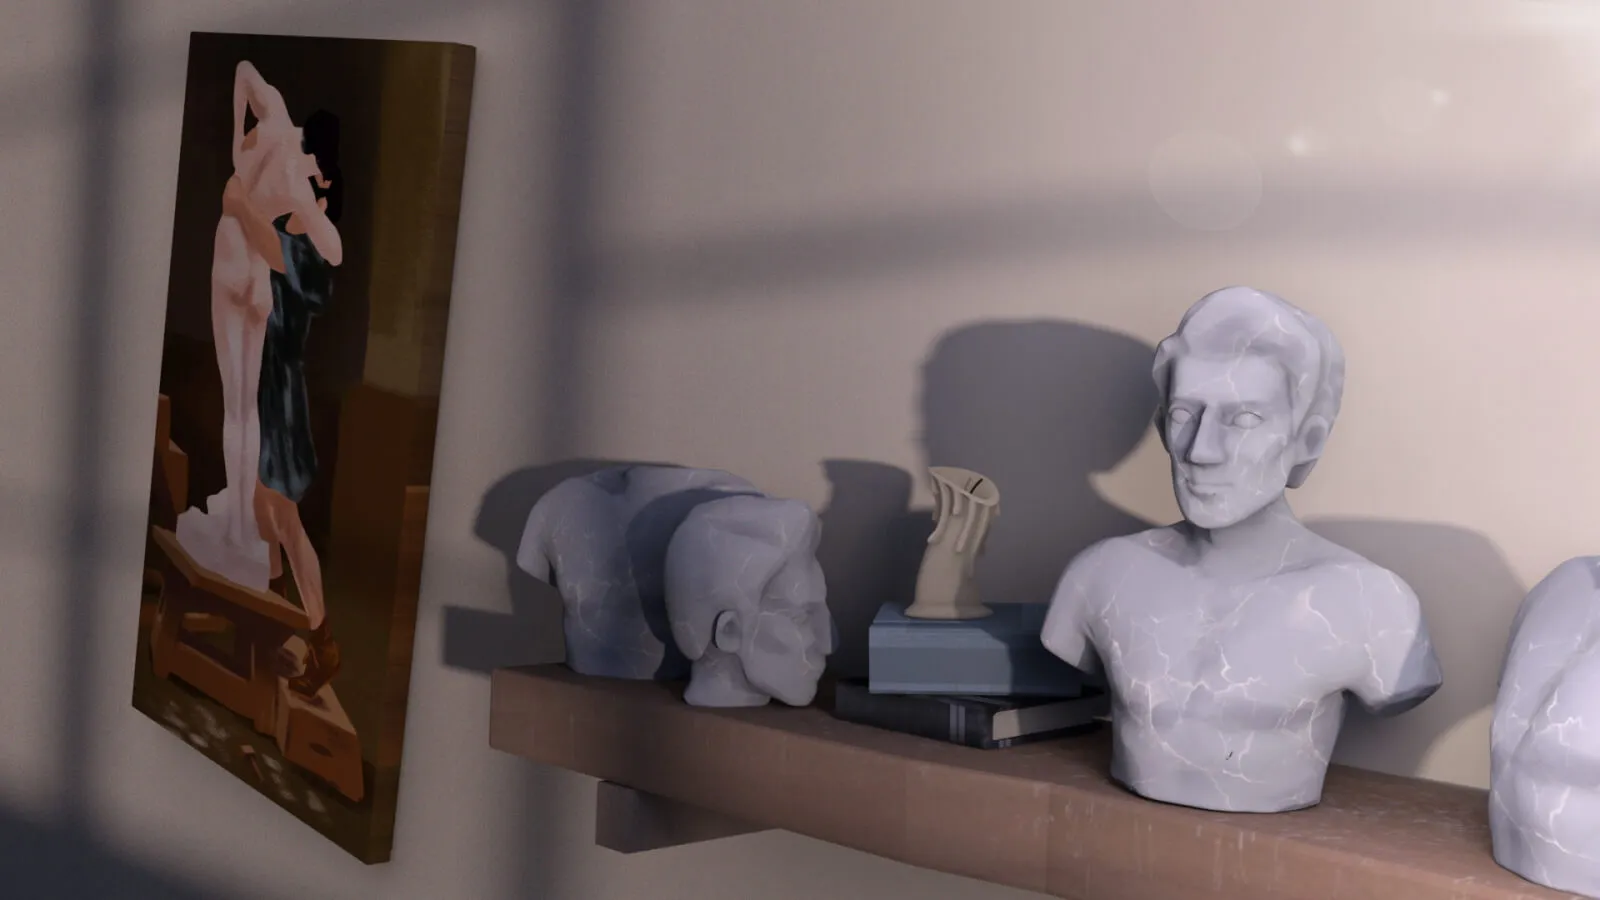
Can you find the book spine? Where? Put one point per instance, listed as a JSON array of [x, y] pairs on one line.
[[950, 722]]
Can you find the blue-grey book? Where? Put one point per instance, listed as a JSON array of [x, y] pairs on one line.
[[999, 655]]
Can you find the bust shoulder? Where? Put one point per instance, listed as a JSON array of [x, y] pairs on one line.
[[1114, 553], [1375, 588], [1577, 577], [1166, 541], [1562, 601]]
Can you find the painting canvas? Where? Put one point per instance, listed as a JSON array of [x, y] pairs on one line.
[[314, 233]]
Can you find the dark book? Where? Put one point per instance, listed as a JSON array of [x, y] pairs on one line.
[[987, 723]]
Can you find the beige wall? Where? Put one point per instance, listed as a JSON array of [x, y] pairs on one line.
[[784, 207]]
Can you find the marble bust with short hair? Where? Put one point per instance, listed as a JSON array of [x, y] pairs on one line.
[[1230, 640], [748, 602]]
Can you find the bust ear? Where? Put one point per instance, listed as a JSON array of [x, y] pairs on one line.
[[725, 631], [1312, 439]]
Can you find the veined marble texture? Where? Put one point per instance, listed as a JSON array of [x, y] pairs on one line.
[[1230, 640], [747, 600], [1544, 795], [601, 539]]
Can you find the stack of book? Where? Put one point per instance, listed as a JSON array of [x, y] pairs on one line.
[[986, 683]]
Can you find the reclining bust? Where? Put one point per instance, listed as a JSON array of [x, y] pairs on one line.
[[1229, 640], [746, 598]]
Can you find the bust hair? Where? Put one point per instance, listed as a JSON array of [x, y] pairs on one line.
[[1237, 321]]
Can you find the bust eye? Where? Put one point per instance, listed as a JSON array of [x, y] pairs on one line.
[[1179, 416], [1246, 420]]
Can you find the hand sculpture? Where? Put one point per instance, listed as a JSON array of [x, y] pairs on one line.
[[1229, 640], [947, 586]]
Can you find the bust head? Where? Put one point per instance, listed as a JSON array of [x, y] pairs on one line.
[[1250, 386], [746, 599]]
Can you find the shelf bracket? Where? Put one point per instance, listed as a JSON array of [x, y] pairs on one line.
[[630, 821]]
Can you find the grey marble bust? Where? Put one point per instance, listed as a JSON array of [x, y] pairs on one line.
[[1229, 640], [601, 539], [746, 598], [1544, 776]]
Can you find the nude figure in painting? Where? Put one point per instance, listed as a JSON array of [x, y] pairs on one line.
[[275, 178]]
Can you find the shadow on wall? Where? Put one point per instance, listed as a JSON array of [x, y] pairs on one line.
[[481, 641], [871, 546], [1037, 406], [38, 860], [1469, 596], [1040, 407]]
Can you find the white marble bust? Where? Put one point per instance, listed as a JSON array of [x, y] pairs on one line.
[[1229, 640], [601, 539], [1544, 794], [747, 601]]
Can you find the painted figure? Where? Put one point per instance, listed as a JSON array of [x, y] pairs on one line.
[[277, 179], [272, 271]]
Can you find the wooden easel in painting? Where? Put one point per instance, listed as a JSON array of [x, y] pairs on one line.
[[224, 640]]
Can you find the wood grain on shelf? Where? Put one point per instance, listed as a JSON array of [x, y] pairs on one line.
[[1041, 817]]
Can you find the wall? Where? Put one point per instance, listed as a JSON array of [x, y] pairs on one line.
[[779, 238]]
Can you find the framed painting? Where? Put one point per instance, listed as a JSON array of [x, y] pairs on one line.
[[313, 242]]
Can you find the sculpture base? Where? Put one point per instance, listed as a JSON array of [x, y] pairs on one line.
[[944, 613], [998, 655], [202, 536]]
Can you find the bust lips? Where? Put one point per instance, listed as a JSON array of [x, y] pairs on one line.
[[1202, 487]]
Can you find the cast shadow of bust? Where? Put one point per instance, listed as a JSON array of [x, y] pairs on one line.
[[1469, 596], [1040, 406], [1037, 406], [480, 641]]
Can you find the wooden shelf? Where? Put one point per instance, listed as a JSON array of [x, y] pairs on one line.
[[630, 821], [1042, 817]]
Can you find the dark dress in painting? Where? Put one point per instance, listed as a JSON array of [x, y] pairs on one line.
[[299, 293]]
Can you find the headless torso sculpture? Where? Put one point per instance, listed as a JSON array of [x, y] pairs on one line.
[[1229, 640], [1544, 795]]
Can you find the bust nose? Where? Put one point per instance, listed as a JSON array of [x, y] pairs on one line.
[[1206, 448]]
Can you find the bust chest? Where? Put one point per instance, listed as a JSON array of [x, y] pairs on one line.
[[1564, 732], [1548, 711], [1177, 644]]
